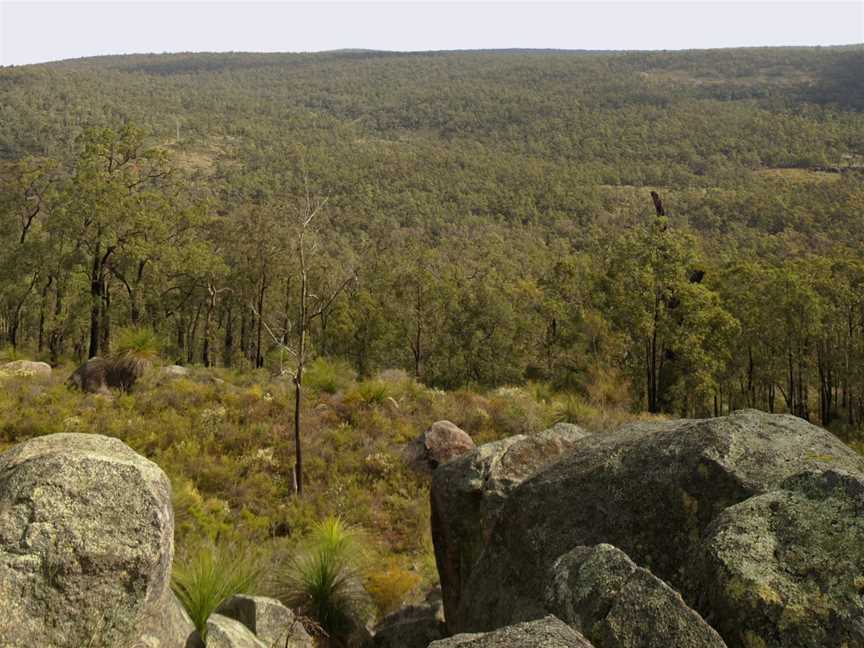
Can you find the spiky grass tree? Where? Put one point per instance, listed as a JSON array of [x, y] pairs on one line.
[[322, 580], [137, 349], [206, 578]]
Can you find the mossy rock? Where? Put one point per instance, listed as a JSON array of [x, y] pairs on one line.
[[787, 568]]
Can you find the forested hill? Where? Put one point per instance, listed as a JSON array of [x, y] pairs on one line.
[[492, 209]]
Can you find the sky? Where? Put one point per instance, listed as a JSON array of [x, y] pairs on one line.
[[33, 31]]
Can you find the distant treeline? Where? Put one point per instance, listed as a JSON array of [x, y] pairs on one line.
[[488, 214]]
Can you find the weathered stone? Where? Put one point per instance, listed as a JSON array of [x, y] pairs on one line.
[[175, 371], [268, 619], [224, 632], [468, 493], [787, 568], [414, 626], [548, 632], [616, 604], [86, 544], [651, 489], [167, 625], [442, 442], [26, 368]]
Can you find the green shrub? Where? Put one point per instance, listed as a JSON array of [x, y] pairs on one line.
[[322, 579], [573, 409], [328, 376], [209, 576], [514, 410], [391, 587], [369, 393]]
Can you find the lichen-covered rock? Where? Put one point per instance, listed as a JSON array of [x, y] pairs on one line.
[[548, 632], [175, 371], [224, 632], [652, 489], [86, 544], [617, 604], [167, 625], [787, 568], [468, 492], [26, 368], [268, 620], [442, 442], [414, 626]]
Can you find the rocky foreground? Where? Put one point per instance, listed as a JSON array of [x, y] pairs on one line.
[[745, 531], [86, 547]]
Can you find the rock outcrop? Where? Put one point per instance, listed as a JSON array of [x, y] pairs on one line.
[[225, 632], [414, 626], [468, 493], [442, 442], [269, 620], [616, 604], [718, 509], [548, 632], [787, 568], [86, 545], [26, 368]]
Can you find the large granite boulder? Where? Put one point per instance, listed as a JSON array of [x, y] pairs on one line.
[[548, 632], [655, 490], [167, 625], [616, 604], [225, 632], [26, 368], [787, 568], [468, 493], [414, 626], [86, 544], [439, 444], [268, 620]]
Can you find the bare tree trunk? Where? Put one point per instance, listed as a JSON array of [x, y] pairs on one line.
[[228, 348], [298, 375], [259, 357], [105, 343], [42, 307], [211, 304], [95, 302]]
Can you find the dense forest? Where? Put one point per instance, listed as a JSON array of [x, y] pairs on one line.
[[476, 219]]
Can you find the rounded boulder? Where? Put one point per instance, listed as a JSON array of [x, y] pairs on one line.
[[86, 543]]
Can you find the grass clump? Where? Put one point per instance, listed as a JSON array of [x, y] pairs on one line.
[[136, 350], [328, 376], [369, 392], [323, 580], [211, 575]]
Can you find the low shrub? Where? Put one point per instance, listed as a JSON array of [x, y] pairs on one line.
[[391, 587], [328, 376]]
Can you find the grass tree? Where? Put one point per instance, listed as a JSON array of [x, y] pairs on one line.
[[323, 581]]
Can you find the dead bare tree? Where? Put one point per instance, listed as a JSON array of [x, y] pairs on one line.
[[302, 222]]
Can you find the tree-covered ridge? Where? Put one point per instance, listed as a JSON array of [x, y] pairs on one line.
[[492, 210]]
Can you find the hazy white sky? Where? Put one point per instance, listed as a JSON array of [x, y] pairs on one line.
[[38, 30]]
